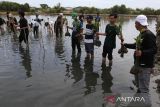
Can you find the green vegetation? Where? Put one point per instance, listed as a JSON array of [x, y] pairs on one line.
[[138, 41], [118, 9], [13, 6], [44, 8], [57, 9]]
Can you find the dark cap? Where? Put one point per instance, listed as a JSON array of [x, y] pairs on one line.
[[90, 17], [21, 12]]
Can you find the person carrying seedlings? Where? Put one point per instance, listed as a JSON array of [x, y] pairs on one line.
[[145, 50], [24, 31], [110, 41], [89, 37], [76, 33]]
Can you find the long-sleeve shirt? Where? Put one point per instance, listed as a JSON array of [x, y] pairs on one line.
[[148, 48]]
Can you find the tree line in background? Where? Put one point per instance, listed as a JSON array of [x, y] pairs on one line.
[[122, 9], [13, 6]]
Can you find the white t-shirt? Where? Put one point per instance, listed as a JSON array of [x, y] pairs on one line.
[[35, 24]]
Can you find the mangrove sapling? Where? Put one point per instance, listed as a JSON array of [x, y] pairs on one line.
[[67, 33], [135, 69], [138, 41], [123, 49], [97, 42]]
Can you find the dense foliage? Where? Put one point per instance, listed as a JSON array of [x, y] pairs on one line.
[[13, 6]]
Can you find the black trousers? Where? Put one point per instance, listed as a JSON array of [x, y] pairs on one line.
[[107, 51], [76, 43], [59, 31], [24, 36], [35, 30]]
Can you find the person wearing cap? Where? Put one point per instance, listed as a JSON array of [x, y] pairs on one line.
[[77, 29], [23, 26], [89, 37], [146, 54], [110, 41]]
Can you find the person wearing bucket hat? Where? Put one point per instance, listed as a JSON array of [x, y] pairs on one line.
[[74, 15], [144, 53], [77, 29]]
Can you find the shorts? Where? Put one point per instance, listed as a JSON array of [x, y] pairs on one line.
[[89, 47]]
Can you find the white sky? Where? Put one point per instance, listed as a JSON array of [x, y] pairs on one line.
[[96, 3]]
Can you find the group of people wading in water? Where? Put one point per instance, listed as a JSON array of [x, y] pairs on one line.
[[145, 44]]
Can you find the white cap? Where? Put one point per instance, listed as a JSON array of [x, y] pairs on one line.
[[10, 15], [142, 19], [61, 14]]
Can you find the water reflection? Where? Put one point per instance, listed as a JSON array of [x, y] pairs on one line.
[[15, 37], [59, 47], [90, 76], [36, 36], [26, 60], [106, 78], [76, 69]]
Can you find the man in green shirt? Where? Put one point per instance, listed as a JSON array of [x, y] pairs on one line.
[[110, 41], [77, 29]]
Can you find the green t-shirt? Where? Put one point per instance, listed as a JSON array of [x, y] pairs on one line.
[[111, 32]]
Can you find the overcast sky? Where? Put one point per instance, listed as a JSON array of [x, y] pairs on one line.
[[96, 3]]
